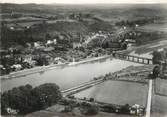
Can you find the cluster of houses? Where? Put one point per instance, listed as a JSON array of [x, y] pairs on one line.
[[48, 46], [12, 61], [27, 62]]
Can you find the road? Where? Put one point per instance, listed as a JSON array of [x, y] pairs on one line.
[[149, 98]]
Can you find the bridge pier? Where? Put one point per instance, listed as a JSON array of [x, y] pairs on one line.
[[128, 57], [148, 61], [134, 58], [138, 60], [142, 60]]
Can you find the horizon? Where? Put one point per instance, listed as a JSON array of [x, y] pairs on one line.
[[86, 2]]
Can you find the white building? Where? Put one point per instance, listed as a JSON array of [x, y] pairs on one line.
[[36, 44], [16, 66]]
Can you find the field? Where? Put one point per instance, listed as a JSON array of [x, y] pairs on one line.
[[159, 102], [117, 92], [161, 87], [159, 106], [154, 27]]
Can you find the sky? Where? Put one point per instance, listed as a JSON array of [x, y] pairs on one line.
[[82, 1]]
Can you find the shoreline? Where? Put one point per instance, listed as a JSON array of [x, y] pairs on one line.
[[39, 69]]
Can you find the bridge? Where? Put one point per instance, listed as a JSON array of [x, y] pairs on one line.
[[132, 58], [81, 87]]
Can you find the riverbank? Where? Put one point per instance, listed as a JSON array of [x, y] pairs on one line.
[[69, 75], [49, 67]]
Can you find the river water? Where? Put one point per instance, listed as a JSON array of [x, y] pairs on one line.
[[69, 76]]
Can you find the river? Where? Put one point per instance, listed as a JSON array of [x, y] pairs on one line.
[[68, 76]]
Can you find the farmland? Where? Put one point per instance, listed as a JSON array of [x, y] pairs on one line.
[[161, 87], [159, 103], [117, 92]]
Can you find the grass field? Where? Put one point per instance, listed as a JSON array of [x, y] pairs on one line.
[[159, 106], [159, 100], [153, 27], [161, 87], [117, 92]]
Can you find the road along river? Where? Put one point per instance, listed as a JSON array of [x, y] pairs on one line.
[[70, 75]]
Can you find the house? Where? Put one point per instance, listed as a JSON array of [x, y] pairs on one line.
[[75, 45], [47, 49], [17, 67], [55, 41], [11, 28], [130, 40], [11, 111], [37, 44], [28, 59], [124, 27], [2, 67], [51, 42], [28, 44], [15, 26], [57, 60]]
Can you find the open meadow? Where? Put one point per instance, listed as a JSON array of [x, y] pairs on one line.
[[117, 92]]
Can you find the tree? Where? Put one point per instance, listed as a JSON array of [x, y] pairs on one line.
[[156, 71], [157, 57], [17, 99], [125, 109], [89, 108], [47, 95], [42, 60], [124, 45], [25, 99]]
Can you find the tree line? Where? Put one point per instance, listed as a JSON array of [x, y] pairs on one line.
[[26, 99]]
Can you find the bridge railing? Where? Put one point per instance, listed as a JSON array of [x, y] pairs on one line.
[[132, 58]]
